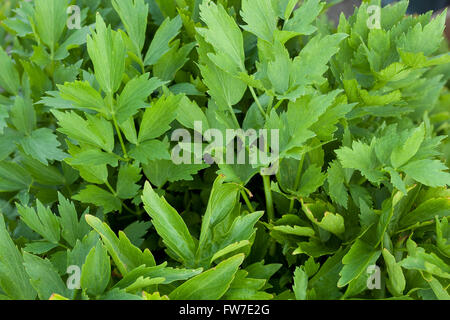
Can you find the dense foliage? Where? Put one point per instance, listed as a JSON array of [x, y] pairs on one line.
[[94, 207]]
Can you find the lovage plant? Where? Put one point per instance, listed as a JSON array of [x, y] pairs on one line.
[[186, 149]]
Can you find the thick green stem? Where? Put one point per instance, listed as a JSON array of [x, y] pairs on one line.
[[269, 200], [297, 181]]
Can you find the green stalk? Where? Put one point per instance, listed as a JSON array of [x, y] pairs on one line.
[[115, 195], [234, 116], [247, 201], [110, 100], [111, 188], [122, 144], [269, 200], [297, 181], [278, 104], [255, 97]]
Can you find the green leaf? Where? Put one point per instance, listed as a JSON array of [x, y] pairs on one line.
[[44, 277], [158, 117], [13, 177], [356, 261], [50, 18], [225, 89], [161, 171], [424, 38], [361, 157], [136, 232], [396, 282], [90, 173], [129, 130], [125, 255], [225, 36], [72, 229], [40, 247], [93, 157], [14, 280], [143, 283], [443, 236], [260, 17], [279, 67], [403, 153], [300, 283], [151, 150], [76, 38], [168, 30], [431, 173], [23, 115], [245, 288], [440, 292], [126, 181], [107, 52], [211, 284], [134, 15], [43, 174], [336, 183], [96, 271], [169, 275], [312, 62], [83, 96], [3, 116], [43, 222], [419, 260], [229, 249], [99, 197], [134, 95], [426, 211], [304, 16], [117, 294], [77, 256], [43, 146], [296, 230], [189, 112], [331, 222], [222, 201], [94, 131], [169, 225], [171, 62], [9, 77], [397, 180], [260, 271], [311, 180]]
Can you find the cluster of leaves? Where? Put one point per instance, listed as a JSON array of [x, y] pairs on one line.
[[87, 180]]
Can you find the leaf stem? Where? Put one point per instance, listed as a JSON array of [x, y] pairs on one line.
[[278, 104], [111, 188], [116, 196], [234, 116], [116, 125], [63, 246], [119, 134], [258, 103], [269, 200], [297, 181], [129, 209], [247, 201]]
